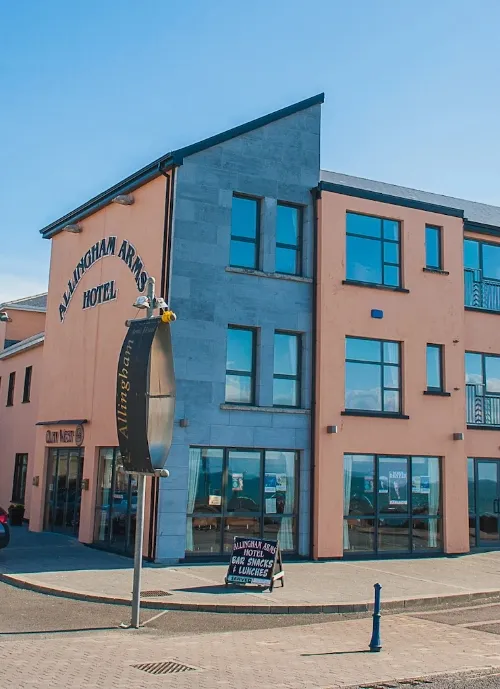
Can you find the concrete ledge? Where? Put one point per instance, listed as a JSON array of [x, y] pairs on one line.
[[332, 608]]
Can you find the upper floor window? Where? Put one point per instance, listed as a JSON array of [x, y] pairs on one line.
[[288, 239], [10, 391], [27, 383], [373, 250], [244, 252], [482, 383], [372, 375], [19, 482], [433, 248], [240, 365], [286, 379], [482, 275], [435, 368]]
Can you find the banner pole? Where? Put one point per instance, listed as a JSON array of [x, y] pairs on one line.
[[141, 493]]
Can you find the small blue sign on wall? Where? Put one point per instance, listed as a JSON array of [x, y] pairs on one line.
[[377, 313]]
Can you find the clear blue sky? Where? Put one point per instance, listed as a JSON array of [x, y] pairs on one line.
[[90, 91]]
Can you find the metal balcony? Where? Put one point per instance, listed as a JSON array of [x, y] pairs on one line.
[[481, 292], [482, 409]]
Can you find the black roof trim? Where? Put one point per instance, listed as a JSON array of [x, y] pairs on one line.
[[389, 198], [170, 160], [63, 422], [481, 228]]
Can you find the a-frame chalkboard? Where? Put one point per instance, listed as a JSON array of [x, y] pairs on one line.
[[255, 561]]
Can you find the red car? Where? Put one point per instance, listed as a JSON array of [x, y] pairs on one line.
[[4, 529]]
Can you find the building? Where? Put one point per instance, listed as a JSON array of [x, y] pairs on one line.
[[334, 388]]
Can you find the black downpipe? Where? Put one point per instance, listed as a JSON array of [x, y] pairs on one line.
[[316, 194]]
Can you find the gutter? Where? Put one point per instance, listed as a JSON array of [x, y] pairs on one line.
[[316, 194]]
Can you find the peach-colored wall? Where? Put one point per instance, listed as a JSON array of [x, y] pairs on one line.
[[17, 423], [81, 353], [432, 312], [24, 324]]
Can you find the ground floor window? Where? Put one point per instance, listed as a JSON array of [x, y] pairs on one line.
[[116, 503], [391, 504], [238, 492], [484, 502], [19, 482]]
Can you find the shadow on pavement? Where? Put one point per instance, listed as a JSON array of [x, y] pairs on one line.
[[221, 589]]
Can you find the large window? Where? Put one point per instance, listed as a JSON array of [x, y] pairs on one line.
[[434, 355], [19, 482], [482, 275], [433, 248], [288, 239], [391, 504], [116, 503], [27, 383], [240, 365], [373, 250], [244, 251], [372, 375], [10, 391], [286, 380], [482, 384], [237, 492]]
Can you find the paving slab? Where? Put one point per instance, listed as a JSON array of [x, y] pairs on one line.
[[56, 564]]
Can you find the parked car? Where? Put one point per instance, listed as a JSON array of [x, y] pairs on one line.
[[4, 529]]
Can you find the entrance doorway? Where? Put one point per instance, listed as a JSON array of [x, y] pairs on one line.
[[64, 494], [484, 502]]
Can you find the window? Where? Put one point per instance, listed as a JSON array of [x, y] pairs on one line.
[[27, 383], [240, 492], [240, 365], [482, 386], [373, 250], [288, 239], [10, 391], [435, 368], [433, 249], [286, 379], [372, 375], [244, 252], [116, 503], [482, 275], [391, 504], [19, 482]]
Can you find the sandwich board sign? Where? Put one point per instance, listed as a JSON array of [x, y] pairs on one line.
[[255, 561]]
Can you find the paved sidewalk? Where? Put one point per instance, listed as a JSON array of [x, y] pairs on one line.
[[53, 563], [322, 656]]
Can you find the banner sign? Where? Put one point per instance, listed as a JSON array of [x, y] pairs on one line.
[[254, 561], [145, 396]]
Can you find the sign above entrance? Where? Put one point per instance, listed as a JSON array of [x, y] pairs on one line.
[[63, 435], [107, 291], [145, 396]]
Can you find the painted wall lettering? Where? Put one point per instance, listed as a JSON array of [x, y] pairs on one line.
[[104, 247]]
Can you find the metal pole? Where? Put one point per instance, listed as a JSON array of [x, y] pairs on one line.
[[376, 643], [141, 493]]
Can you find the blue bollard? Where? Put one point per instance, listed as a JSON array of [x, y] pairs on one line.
[[376, 643]]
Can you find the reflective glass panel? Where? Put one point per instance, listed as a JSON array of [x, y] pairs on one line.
[[359, 482], [366, 225], [362, 350], [492, 368], [359, 535], [432, 247], [286, 261], [473, 369], [391, 229], [242, 254], [425, 488], [434, 381], [471, 254], [285, 392], [363, 260], [239, 350], [243, 489], [393, 534], [239, 389], [287, 225], [244, 217], [491, 261], [285, 354], [393, 489], [363, 386]]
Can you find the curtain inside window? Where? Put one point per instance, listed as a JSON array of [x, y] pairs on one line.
[[286, 528], [433, 501], [347, 496], [194, 472]]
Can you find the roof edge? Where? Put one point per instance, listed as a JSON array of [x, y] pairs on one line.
[[169, 160], [22, 346], [389, 198], [481, 228]]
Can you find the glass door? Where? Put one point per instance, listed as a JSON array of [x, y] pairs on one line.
[[64, 478], [487, 502]]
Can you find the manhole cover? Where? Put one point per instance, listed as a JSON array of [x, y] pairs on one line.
[[166, 667], [154, 594]]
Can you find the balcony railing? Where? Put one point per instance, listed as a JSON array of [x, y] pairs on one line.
[[481, 292], [482, 409]]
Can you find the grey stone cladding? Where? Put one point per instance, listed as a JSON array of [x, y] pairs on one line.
[[277, 162]]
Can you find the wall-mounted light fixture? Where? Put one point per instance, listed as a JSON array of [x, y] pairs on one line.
[[85, 483], [124, 199], [4, 317], [458, 436], [184, 423], [332, 429], [75, 229], [36, 480]]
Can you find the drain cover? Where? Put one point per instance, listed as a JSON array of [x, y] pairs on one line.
[[166, 667], [154, 594]]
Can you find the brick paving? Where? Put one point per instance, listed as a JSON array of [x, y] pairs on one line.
[[322, 656]]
